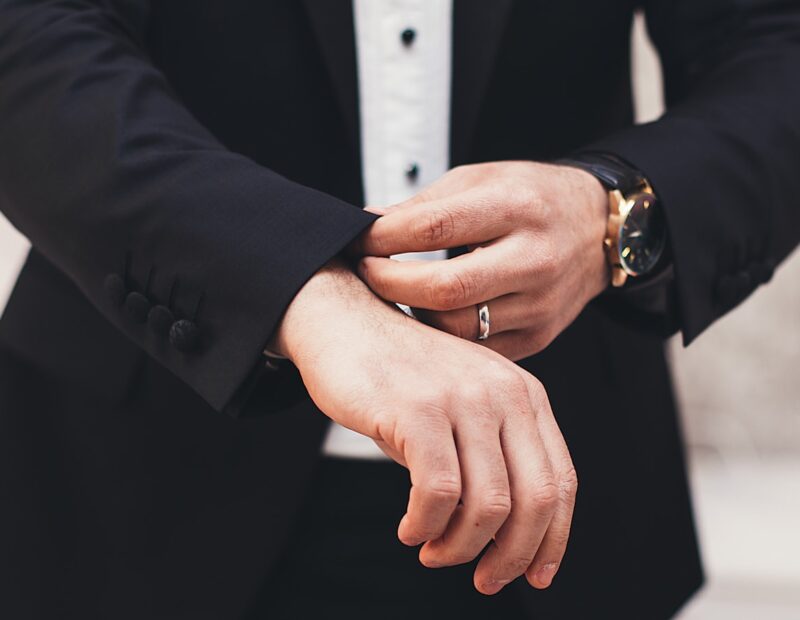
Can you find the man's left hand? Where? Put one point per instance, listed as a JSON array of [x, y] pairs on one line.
[[535, 233]]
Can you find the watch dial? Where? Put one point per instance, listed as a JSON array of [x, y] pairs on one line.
[[642, 238]]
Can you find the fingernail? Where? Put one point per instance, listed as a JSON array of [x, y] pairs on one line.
[[493, 587], [544, 576]]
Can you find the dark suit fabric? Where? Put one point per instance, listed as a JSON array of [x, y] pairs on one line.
[[205, 156]]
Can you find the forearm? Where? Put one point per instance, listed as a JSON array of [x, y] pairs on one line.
[[332, 291], [138, 190], [723, 158]]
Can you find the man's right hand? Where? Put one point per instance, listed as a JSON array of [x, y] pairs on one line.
[[487, 461]]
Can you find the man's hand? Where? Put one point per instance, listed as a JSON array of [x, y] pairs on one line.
[[536, 233], [487, 461]]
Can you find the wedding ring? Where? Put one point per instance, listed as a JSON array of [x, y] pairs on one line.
[[484, 323]]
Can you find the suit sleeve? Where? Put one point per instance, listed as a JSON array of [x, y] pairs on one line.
[[116, 184], [724, 157]]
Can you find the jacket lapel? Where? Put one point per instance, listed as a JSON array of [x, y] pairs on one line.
[[332, 23], [478, 27]]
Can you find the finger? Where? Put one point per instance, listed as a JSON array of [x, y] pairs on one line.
[[507, 313], [428, 194], [551, 552], [444, 223], [446, 185], [465, 280], [435, 485], [391, 452], [486, 500], [534, 493], [518, 344]]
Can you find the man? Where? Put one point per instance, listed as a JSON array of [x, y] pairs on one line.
[[189, 175]]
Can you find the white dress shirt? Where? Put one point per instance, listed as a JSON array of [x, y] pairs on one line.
[[404, 67]]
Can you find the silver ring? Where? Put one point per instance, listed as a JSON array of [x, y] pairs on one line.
[[484, 323]]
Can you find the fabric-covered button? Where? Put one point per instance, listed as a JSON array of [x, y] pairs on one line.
[[726, 290], [160, 320], [184, 335], [115, 288], [137, 306]]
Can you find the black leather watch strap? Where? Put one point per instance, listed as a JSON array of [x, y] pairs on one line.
[[609, 169]]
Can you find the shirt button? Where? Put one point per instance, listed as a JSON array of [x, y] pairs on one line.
[[407, 36], [412, 171]]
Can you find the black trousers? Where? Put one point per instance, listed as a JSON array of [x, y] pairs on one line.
[[155, 507], [344, 559]]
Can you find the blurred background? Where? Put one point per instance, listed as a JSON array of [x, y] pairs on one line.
[[739, 389]]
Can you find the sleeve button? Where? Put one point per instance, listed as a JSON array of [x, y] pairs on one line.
[[115, 288], [137, 306], [184, 335], [160, 319]]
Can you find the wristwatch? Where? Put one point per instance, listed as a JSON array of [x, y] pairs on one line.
[[637, 233]]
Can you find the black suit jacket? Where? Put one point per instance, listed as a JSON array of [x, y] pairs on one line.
[[203, 157]]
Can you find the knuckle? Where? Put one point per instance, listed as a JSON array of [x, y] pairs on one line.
[[538, 394], [568, 484], [529, 196], [374, 240], [515, 386], [449, 290], [496, 506], [558, 543], [477, 392], [547, 259], [437, 227], [517, 564], [444, 486], [545, 497]]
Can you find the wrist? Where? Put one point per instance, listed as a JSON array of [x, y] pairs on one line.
[[332, 294], [590, 193]]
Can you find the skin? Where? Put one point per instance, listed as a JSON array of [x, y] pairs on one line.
[[536, 237], [488, 465]]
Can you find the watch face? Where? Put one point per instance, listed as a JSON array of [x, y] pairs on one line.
[[643, 235]]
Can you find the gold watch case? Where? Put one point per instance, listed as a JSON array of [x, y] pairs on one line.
[[620, 207]]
